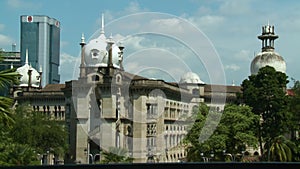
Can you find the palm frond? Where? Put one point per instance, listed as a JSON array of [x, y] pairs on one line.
[[5, 110], [9, 77]]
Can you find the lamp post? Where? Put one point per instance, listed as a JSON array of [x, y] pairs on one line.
[[150, 155], [205, 159], [212, 155], [94, 160], [232, 157]]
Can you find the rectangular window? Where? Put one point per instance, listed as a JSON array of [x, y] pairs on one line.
[[151, 111]]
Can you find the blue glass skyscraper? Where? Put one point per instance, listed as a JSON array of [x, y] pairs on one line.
[[41, 36]]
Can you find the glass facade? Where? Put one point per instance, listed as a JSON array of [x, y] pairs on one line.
[[41, 36]]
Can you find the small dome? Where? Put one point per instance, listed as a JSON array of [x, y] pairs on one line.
[[96, 52], [23, 71], [35, 76], [191, 77], [269, 58]]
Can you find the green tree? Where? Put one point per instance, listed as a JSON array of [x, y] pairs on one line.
[[116, 155], [265, 92], [294, 108], [13, 153], [7, 79], [38, 131], [234, 132], [281, 149]]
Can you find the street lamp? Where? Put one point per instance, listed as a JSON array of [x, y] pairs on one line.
[[228, 154], [150, 155], [205, 159], [212, 155], [96, 155]]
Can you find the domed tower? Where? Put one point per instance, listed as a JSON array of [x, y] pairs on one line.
[[194, 84], [30, 78], [190, 77], [100, 53], [267, 56]]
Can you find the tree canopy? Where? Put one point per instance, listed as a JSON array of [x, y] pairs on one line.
[[265, 92], [116, 155], [234, 131], [31, 134]]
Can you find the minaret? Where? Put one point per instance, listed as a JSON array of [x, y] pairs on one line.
[[267, 37], [82, 64], [267, 56]]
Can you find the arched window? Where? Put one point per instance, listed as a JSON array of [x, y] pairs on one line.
[[95, 78]]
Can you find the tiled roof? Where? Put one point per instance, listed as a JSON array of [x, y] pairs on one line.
[[222, 88], [53, 87]]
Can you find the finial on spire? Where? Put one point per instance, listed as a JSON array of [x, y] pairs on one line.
[[102, 24], [110, 39], [82, 38], [41, 70], [26, 57]]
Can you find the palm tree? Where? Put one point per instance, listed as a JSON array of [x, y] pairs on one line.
[[116, 155], [280, 150], [8, 77]]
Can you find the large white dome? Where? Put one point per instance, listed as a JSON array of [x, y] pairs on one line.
[[190, 77], [268, 59], [96, 53]]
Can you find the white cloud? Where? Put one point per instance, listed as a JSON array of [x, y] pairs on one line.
[[234, 7], [133, 7], [203, 10], [243, 55], [5, 40], [17, 4], [170, 25], [66, 58], [233, 67], [63, 44], [2, 27], [68, 67], [134, 42], [207, 22]]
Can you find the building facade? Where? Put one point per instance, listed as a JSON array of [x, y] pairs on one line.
[[108, 107], [41, 36]]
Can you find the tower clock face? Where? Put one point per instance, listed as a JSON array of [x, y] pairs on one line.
[[98, 54], [95, 53]]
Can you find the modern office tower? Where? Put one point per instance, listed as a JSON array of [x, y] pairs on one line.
[[41, 36]]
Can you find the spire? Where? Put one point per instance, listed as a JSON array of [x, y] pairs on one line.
[[102, 24], [26, 57]]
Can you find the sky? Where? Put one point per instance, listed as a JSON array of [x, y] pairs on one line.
[[216, 39]]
